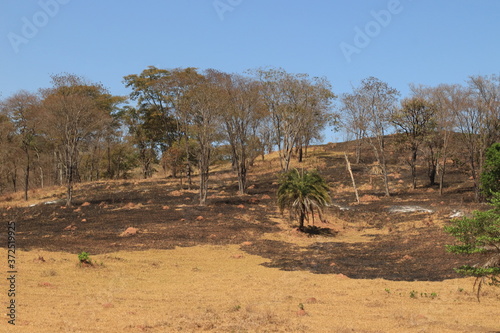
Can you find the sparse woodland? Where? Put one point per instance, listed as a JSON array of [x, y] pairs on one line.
[[185, 120], [216, 158]]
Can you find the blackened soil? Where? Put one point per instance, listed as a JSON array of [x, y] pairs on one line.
[[418, 257], [111, 208]]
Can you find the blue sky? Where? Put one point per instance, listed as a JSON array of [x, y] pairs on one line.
[[398, 41]]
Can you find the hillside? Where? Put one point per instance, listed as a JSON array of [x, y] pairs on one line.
[[373, 240]]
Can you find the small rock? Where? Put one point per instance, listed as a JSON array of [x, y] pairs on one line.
[[265, 197], [200, 218], [84, 220], [130, 205], [85, 204], [247, 243], [129, 232], [165, 207], [237, 256], [241, 206], [70, 227], [301, 313]]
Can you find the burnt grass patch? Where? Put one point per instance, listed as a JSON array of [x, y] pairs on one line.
[[167, 218], [397, 257]]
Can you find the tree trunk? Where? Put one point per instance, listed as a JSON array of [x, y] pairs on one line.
[[443, 167], [301, 220], [27, 175], [69, 186], [242, 178], [413, 166], [352, 177], [301, 154]]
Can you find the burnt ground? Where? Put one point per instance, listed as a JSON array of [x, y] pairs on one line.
[[167, 218]]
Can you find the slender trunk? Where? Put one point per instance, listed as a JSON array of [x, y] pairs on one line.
[[432, 173], [301, 154], [242, 178], [352, 177], [109, 161], [27, 175], [204, 165], [443, 167], [41, 177], [301, 220], [203, 184], [413, 165], [358, 152], [380, 157], [69, 188]]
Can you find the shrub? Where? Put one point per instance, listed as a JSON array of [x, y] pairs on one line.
[[479, 234], [303, 193], [490, 177]]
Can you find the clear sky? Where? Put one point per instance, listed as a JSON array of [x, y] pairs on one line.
[[398, 41]]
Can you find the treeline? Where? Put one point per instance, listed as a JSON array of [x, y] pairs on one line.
[[433, 123], [182, 118], [185, 119]]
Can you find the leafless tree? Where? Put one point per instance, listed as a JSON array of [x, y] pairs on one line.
[[374, 101], [297, 105]]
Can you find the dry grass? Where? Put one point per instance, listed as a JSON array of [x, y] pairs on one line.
[[222, 289]]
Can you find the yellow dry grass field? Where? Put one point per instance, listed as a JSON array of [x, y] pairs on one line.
[[223, 289]]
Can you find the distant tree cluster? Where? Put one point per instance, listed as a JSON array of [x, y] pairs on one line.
[[76, 131], [426, 122], [184, 119]]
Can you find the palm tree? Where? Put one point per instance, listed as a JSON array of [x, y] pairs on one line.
[[303, 193]]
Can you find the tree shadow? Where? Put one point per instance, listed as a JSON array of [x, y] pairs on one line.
[[312, 230]]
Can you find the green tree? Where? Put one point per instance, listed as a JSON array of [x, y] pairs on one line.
[[479, 234], [303, 193], [490, 177]]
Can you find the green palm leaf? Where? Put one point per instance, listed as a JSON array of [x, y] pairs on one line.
[[303, 193]]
